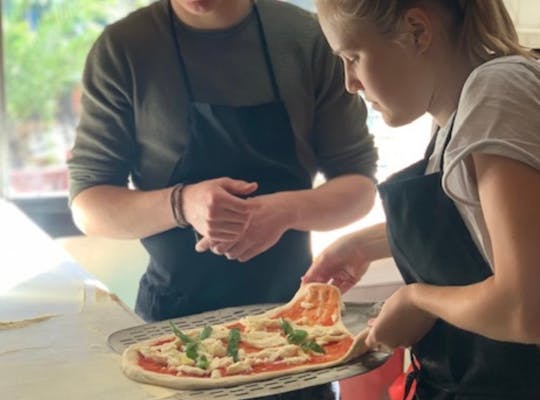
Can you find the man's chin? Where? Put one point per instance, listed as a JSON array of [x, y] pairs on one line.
[[200, 6]]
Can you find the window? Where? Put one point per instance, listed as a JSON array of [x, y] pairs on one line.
[[45, 45]]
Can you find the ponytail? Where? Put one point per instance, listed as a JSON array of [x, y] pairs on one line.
[[488, 32]]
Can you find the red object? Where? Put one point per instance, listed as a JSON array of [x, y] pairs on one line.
[[396, 391], [375, 384], [44, 179]]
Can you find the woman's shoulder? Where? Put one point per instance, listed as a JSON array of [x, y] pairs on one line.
[[510, 75], [497, 114], [499, 105]]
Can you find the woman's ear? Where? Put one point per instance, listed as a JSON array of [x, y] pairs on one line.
[[418, 26]]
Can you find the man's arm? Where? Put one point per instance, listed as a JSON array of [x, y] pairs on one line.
[[333, 204], [213, 207], [329, 206], [121, 213]]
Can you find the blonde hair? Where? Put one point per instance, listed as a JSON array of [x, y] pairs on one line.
[[482, 29]]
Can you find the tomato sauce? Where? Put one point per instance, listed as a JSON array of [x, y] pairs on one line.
[[247, 347], [325, 303], [160, 342], [237, 325], [333, 352], [154, 366]]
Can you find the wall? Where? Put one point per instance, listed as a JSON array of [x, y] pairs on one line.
[[526, 16]]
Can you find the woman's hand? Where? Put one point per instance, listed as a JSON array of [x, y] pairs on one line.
[[343, 263], [400, 323], [346, 260]]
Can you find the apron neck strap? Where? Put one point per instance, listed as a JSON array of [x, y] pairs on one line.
[[179, 57], [431, 145], [183, 68], [267, 59]]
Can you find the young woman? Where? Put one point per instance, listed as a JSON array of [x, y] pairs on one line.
[[463, 223]]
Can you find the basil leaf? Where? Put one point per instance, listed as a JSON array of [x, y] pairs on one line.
[[191, 350], [297, 336], [202, 362], [232, 345], [206, 332], [286, 326], [313, 346], [181, 335]]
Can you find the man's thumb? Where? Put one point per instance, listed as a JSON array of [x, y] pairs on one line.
[[238, 187]]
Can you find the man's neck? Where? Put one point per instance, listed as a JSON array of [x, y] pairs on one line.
[[226, 14]]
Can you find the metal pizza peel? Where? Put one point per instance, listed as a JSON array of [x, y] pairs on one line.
[[355, 318]]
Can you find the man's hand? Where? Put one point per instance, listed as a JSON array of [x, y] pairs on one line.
[[268, 219], [214, 208]]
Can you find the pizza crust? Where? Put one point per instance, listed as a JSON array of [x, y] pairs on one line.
[[133, 370]]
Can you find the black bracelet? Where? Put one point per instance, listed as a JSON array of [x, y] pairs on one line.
[[177, 206]]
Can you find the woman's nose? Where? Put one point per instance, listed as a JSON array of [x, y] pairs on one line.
[[352, 83]]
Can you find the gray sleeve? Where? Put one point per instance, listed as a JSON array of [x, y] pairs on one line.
[[343, 144], [498, 114], [104, 145]]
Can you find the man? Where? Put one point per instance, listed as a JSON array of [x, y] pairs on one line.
[[220, 113]]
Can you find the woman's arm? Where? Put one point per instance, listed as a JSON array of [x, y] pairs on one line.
[[505, 306], [346, 260]]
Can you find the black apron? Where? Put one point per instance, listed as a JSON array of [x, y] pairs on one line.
[[430, 243], [252, 143]]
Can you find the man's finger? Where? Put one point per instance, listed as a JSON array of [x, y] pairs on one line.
[[238, 187], [203, 245], [237, 250]]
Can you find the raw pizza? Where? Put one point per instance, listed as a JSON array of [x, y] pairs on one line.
[[305, 334]]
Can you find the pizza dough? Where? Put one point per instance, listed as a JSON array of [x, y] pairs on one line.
[[305, 334]]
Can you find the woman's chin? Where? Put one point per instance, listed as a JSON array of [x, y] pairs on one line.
[[395, 120], [391, 120]]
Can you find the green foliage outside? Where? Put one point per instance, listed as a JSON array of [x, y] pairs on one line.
[[45, 47], [45, 60]]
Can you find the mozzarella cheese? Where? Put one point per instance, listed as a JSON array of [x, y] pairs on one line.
[[272, 344]]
